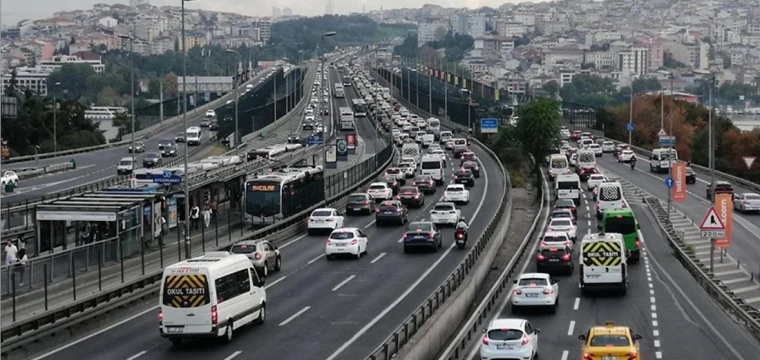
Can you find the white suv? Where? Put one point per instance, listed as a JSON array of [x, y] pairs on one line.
[[456, 193], [445, 213]]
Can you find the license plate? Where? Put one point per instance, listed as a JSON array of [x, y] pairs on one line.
[[387, 212], [340, 245], [174, 329], [357, 209], [593, 276], [610, 357], [531, 295], [553, 260], [502, 347]]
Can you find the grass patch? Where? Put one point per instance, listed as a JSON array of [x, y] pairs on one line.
[[218, 150], [691, 249]]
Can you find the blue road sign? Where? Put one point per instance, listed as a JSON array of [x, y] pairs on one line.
[[630, 126], [666, 141], [167, 178], [489, 125], [315, 140], [669, 182]]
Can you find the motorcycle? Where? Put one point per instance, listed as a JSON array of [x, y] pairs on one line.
[[461, 238], [633, 165]]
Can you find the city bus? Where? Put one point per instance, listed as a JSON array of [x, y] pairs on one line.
[[282, 193], [346, 119], [339, 91], [346, 81], [360, 107]]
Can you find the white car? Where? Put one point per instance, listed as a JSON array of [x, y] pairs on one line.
[[433, 147], [210, 113], [409, 159], [594, 180], [450, 144], [535, 289], [440, 153], [309, 118], [346, 241], [564, 225], [396, 173], [556, 238], [324, 219], [408, 168], [380, 191], [8, 178], [509, 339], [445, 213], [626, 156], [456, 193], [608, 146], [597, 149]]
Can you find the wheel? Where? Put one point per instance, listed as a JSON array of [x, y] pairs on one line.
[[228, 334], [265, 270], [515, 309], [262, 314], [406, 250], [440, 244], [328, 257], [278, 264], [310, 232], [176, 342], [553, 308]]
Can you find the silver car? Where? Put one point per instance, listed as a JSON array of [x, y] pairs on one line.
[[747, 202], [264, 256]]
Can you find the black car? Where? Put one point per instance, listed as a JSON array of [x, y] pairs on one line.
[[308, 125], [584, 174], [472, 166], [464, 176], [422, 234], [180, 138], [139, 147], [554, 258], [169, 151], [392, 182], [164, 142], [294, 139], [360, 203], [152, 160], [391, 211], [691, 176], [411, 196], [425, 183], [213, 127]]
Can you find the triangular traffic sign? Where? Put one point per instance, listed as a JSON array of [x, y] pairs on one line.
[[712, 221], [662, 133], [748, 161]]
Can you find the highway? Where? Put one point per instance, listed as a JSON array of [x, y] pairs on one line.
[[94, 166], [318, 309], [664, 304]]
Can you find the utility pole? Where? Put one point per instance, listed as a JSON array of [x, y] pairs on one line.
[[670, 145], [188, 249], [630, 114], [430, 88], [236, 83], [445, 91], [55, 117]]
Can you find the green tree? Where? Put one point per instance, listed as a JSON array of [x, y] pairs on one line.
[[538, 128], [73, 78], [551, 88]]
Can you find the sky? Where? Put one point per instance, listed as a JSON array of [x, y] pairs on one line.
[[16, 10]]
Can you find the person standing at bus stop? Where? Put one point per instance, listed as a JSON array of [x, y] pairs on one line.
[[195, 216]]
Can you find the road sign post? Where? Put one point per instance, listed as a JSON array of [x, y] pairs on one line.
[[629, 126], [489, 125], [712, 227]]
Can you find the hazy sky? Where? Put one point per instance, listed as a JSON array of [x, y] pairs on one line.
[[16, 10]]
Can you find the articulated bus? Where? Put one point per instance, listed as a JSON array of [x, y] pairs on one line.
[[360, 107], [339, 91], [283, 193], [346, 81], [346, 119]]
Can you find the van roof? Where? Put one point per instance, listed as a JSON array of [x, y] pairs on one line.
[[208, 261], [616, 212], [602, 237]]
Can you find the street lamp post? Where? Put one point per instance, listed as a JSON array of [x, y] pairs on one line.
[[670, 143], [188, 251], [236, 137], [321, 91], [132, 80], [711, 159], [55, 116], [630, 114]]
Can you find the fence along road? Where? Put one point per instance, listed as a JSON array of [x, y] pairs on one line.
[[380, 288]]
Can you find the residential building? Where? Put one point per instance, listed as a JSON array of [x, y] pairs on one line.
[[691, 54], [477, 25], [656, 52], [568, 54], [33, 79], [566, 77], [83, 57], [193, 39], [459, 24], [161, 45], [494, 47], [264, 28], [635, 60], [428, 30], [601, 59], [509, 28], [108, 22]]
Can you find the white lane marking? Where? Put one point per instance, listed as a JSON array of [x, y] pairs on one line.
[[377, 258], [294, 316], [370, 224], [234, 355], [400, 240], [565, 354], [571, 328], [658, 354], [657, 343], [315, 259], [292, 241], [411, 288], [344, 282], [656, 332], [577, 303], [275, 282], [135, 356]]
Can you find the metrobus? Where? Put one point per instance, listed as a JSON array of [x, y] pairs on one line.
[[283, 193], [360, 107], [339, 91], [346, 81], [98, 113], [346, 118]]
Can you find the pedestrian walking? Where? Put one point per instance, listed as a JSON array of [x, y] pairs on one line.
[[207, 215], [11, 253], [164, 230], [21, 265], [195, 216]]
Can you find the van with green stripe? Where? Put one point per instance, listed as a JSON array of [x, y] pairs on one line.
[[622, 221]]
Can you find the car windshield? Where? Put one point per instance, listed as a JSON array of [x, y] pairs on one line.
[[125, 162], [357, 198], [454, 189], [389, 207], [470, 164], [419, 226], [243, 249], [393, 171], [505, 334], [554, 239], [464, 173], [561, 223], [377, 187], [423, 178], [321, 213], [180, 135], [532, 282], [443, 207], [751, 197], [151, 156], [563, 203], [409, 190], [609, 341], [342, 235], [561, 214]]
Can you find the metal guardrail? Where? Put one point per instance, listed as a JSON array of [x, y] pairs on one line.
[[745, 314], [33, 328], [34, 172], [457, 348]]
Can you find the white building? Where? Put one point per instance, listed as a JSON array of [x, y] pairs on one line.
[[635, 60], [27, 79], [459, 24], [428, 30], [57, 61], [477, 25], [108, 22], [505, 28]]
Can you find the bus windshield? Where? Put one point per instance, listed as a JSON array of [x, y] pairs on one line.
[[620, 224], [262, 199]]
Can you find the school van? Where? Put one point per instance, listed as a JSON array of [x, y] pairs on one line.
[[558, 165], [603, 263], [411, 149], [434, 166], [660, 160], [586, 159], [568, 186], [210, 296], [427, 140], [609, 196]]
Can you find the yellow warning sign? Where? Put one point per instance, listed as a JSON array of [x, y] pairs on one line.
[[602, 254], [185, 291]]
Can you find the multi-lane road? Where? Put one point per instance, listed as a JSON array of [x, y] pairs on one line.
[[319, 309]]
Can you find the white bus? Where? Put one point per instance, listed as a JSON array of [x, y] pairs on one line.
[[346, 119], [346, 81], [339, 90], [360, 107]]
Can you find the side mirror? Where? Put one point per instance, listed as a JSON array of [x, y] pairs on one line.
[[599, 227], [514, 281], [537, 331], [582, 337], [483, 331], [638, 337], [553, 280]]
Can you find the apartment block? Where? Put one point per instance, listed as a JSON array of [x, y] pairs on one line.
[[635, 60], [509, 28], [428, 30]]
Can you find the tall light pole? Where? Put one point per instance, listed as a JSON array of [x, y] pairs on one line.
[[132, 80], [711, 159], [237, 95], [630, 114], [321, 85], [670, 143], [55, 116], [188, 251]]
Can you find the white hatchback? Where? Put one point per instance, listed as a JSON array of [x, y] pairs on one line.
[[535, 289], [597, 149], [445, 213], [346, 241], [456, 193], [324, 219], [509, 339], [608, 146], [594, 180], [380, 191], [564, 225]]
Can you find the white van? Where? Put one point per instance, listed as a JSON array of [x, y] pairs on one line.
[[660, 159], [434, 124], [193, 136], [603, 263], [609, 196], [445, 136], [568, 186], [427, 140], [586, 159], [434, 166], [210, 296], [411, 149], [126, 166], [558, 165]]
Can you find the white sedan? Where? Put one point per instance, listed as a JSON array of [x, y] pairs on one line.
[[445, 213], [456, 193], [408, 168], [597, 149], [747, 202], [9, 177], [608, 146], [509, 339], [564, 225], [324, 219], [535, 289], [594, 180], [347, 241], [380, 191]]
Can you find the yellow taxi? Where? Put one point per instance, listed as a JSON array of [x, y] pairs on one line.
[[610, 342]]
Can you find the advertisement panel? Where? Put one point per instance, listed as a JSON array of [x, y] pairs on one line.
[[331, 155], [679, 181], [342, 147], [351, 141], [724, 207]]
